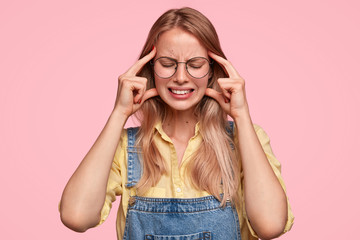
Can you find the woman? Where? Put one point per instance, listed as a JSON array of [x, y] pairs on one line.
[[186, 173]]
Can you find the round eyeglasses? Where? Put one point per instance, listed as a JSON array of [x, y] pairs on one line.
[[197, 67]]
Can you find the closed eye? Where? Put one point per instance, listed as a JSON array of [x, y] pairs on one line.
[[195, 66], [168, 65]]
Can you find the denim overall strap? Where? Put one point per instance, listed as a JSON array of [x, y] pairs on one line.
[[231, 129], [133, 161]]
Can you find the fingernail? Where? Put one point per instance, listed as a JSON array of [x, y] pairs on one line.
[[139, 101], [153, 48]]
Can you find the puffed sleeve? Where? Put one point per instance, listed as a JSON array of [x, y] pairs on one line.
[[275, 164], [114, 186]]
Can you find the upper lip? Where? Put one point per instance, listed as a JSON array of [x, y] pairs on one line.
[[180, 89]]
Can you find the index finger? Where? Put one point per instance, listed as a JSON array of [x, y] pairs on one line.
[[134, 69], [225, 64]]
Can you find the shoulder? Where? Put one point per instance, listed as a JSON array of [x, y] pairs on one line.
[[257, 127], [260, 132]]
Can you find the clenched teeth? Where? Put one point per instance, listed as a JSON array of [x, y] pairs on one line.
[[180, 92]]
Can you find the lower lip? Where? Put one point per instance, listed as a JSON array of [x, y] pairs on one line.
[[181, 96]]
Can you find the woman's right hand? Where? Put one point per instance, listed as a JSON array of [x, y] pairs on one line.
[[132, 91]]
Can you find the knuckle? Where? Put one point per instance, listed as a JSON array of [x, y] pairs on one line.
[[123, 77], [241, 81], [143, 80], [126, 81]]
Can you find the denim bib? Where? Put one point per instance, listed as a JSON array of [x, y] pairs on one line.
[[174, 218]]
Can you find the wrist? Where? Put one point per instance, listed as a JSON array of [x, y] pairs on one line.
[[119, 115], [242, 116]]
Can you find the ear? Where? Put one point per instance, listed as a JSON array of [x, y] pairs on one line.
[[211, 73]]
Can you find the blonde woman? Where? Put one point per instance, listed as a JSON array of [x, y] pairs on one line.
[[186, 172]]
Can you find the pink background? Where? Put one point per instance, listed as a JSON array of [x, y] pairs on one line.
[[59, 62]]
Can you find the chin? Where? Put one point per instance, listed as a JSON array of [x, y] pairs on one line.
[[182, 106]]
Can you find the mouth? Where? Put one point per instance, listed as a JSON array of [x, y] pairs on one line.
[[181, 92]]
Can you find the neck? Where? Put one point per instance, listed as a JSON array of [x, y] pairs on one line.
[[180, 125]]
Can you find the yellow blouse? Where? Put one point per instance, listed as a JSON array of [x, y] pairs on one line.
[[174, 184]]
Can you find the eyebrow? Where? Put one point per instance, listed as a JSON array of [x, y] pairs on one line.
[[178, 61], [167, 57]]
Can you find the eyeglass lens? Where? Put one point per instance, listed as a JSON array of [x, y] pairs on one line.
[[197, 67]]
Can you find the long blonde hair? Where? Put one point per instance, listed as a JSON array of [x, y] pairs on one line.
[[213, 167]]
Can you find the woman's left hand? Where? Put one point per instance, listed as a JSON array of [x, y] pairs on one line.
[[232, 97]]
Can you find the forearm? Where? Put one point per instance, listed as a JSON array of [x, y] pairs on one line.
[[265, 200], [84, 194]]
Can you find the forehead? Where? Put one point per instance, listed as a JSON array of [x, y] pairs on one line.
[[179, 44]]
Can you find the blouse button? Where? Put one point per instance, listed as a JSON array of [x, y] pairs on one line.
[[178, 189]]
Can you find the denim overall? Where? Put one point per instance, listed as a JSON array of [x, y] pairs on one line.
[[173, 218]]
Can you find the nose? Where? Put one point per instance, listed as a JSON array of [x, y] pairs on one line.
[[181, 73]]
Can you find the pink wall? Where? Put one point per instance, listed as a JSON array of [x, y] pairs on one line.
[[59, 64]]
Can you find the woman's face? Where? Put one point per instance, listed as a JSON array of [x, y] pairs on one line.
[[181, 91]]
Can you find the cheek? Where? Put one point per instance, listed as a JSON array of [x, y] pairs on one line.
[[203, 83], [159, 84]]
